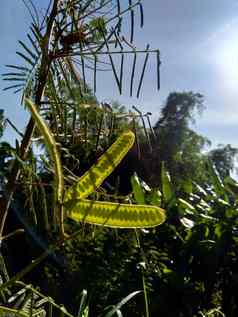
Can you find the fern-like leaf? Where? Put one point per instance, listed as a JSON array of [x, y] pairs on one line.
[[31, 56]]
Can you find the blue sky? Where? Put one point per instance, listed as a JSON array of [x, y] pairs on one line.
[[199, 52]]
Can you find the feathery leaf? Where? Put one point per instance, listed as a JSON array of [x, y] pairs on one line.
[[28, 50], [26, 58]]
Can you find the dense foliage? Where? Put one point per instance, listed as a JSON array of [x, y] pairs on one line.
[[56, 206]]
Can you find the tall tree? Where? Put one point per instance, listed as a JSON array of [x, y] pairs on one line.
[[224, 158], [173, 124], [176, 143]]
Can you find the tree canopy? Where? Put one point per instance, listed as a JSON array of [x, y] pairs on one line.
[[175, 143], [224, 158]]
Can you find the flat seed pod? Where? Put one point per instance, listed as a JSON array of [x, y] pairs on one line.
[[115, 214], [105, 165]]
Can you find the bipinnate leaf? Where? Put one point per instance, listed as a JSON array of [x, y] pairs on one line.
[[51, 147], [115, 214], [105, 165]]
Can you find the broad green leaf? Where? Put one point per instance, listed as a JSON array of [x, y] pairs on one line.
[[115, 214], [105, 165], [223, 202], [218, 231], [185, 205], [187, 223], [137, 189], [231, 185], [85, 312], [122, 302], [204, 204], [216, 181], [166, 184], [207, 217], [154, 197], [200, 190], [187, 186], [83, 308], [51, 147]]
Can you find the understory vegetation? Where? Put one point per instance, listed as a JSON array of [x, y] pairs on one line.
[[102, 213]]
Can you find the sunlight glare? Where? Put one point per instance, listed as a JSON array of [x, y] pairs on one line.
[[226, 58]]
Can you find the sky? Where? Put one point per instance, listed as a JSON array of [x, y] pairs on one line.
[[199, 52]]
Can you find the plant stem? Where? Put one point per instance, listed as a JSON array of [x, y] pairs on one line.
[[143, 276], [145, 296], [26, 141]]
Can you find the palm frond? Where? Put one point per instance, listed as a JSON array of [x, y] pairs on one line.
[[32, 11], [90, 35], [28, 72]]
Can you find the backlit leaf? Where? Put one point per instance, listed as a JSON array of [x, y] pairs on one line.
[[188, 223], [154, 197], [166, 184], [216, 180], [185, 205], [105, 165], [137, 189], [115, 214], [122, 302]]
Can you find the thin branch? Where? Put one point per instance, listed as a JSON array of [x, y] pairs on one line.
[[83, 53], [14, 127], [26, 141]]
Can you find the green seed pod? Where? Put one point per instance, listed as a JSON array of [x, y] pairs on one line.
[[105, 165], [115, 214]]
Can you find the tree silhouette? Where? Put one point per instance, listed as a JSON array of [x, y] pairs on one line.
[[223, 158], [176, 143]]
